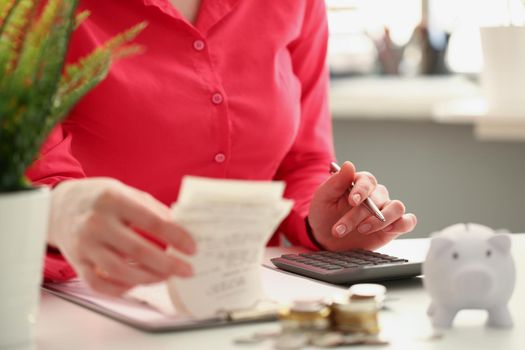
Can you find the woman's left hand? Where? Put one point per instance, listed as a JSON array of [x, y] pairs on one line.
[[340, 221]]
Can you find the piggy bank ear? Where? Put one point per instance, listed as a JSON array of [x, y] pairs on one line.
[[501, 242], [438, 244]]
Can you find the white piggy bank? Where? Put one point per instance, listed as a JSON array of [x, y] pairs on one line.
[[469, 266]]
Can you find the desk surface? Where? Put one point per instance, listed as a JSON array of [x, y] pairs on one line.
[[63, 325]]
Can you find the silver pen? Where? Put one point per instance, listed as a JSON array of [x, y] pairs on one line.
[[372, 208]]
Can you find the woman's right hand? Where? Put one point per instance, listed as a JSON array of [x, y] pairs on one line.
[[92, 222]]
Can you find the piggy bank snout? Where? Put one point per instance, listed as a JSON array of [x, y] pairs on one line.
[[476, 282]]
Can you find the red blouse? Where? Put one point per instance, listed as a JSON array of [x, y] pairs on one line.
[[241, 94]]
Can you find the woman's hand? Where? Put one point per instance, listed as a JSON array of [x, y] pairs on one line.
[[92, 222], [340, 221]]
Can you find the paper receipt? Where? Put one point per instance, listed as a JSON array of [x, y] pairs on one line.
[[231, 222]]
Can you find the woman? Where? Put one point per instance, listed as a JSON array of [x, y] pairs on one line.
[[225, 88]]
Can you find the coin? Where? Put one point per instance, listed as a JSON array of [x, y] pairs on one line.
[[257, 337], [368, 290], [328, 340], [305, 315], [247, 340], [291, 341], [363, 339], [266, 334]]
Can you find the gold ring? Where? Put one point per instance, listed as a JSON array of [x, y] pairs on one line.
[[132, 262], [101, 273]]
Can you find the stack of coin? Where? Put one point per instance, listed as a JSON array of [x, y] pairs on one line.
[[305, 316], [357, 310], [378, 291]]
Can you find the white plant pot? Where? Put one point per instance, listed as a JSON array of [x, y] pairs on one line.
[[23, 225]]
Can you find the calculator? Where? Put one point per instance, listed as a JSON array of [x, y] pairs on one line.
[[348, 267]]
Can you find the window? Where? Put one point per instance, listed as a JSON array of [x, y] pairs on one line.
[[362, 30]]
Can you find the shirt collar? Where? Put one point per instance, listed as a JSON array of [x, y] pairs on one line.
[[164, 5], [210, 13]]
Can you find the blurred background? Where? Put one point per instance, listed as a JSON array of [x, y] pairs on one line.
[[408, 105]]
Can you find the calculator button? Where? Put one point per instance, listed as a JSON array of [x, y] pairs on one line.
[[308, 261], [302, 260], [347, 258], [315, 258], [290, 256], [372, 253], [383, 256], [350, 254], [383, 262], [348, 265], [365, 257], [320, 257], [358, 261], [388, 257], [324, 266], [323, 253], [332, 260], [346, 253]]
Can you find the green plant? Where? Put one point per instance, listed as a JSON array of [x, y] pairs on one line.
[[36, 90]]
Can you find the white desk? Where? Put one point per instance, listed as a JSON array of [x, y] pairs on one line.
[[66, 326]]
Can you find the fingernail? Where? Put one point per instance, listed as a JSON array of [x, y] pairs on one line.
[[388, 228], [364, 228], [357, 198], [341, 230], [186, 271], [190, 247]]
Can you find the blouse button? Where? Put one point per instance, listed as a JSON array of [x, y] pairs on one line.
[[217, 98], [220, 157], [198, 45]]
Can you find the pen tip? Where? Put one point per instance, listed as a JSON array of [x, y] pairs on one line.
[[334, 167]]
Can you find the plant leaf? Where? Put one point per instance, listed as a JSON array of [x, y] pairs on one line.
[[36, 91], [81, 77], [81, 17], [13, 36]]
